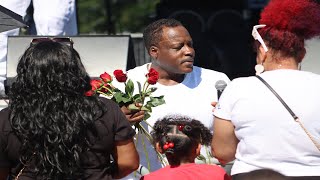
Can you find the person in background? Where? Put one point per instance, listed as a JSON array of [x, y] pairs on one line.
[[180, 139], [19, 7], [187, 89], [51, 18], [55, 17], [51, 130], [251, 124]]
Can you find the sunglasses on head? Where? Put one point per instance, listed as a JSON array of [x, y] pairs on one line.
[[63, 40], [256, 35]]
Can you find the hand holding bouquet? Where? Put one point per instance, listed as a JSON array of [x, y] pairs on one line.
[[141, 101]]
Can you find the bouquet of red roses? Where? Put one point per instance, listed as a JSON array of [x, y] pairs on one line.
[[143, 100], [137, 101]]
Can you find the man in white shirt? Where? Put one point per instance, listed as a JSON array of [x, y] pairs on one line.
[[187, 89]]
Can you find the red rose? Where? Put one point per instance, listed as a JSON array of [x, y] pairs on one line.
[[96, 84], [89, 93], [105, 90], [153, 76], [120, 76], [106, 77]]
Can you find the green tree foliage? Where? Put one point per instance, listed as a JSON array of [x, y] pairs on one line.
[[126, 15]]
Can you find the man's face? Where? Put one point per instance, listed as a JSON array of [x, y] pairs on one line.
[[175, 53]]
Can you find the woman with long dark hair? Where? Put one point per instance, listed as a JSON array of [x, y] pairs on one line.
[[51, 130]]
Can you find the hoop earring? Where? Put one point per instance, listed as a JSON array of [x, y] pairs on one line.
[[259, 68]]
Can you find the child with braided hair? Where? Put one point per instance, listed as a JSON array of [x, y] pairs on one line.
[[180, 139]]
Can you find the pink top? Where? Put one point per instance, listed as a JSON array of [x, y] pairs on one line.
[[189, 172]]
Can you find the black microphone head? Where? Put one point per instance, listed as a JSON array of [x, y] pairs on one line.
[[220, 85]]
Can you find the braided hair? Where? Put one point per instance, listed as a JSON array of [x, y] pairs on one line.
[[179, 135]]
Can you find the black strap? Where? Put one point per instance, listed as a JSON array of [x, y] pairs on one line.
[[277, 95]]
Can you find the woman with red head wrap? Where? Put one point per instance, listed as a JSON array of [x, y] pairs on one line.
[[252, 126]]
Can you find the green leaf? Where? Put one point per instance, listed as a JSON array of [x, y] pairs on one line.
[[146, 116], [126, 100], [156, 101], [139, 86], [117, 90], [133, 107], [151, 90], [146, 108], [121, 98], [118, 97], [137, 98], [129, 87]]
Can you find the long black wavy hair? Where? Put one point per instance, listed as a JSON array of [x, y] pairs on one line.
[[49, 112], [184, 132]]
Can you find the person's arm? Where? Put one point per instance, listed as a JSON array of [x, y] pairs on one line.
[[4, 172], [126, 157], [224, 142]]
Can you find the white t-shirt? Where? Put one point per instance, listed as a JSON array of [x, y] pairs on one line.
[[192, 98], [269, 137]]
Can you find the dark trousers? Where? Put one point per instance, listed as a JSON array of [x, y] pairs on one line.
[[244, 176]]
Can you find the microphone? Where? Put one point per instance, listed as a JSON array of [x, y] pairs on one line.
[[220, 85]]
